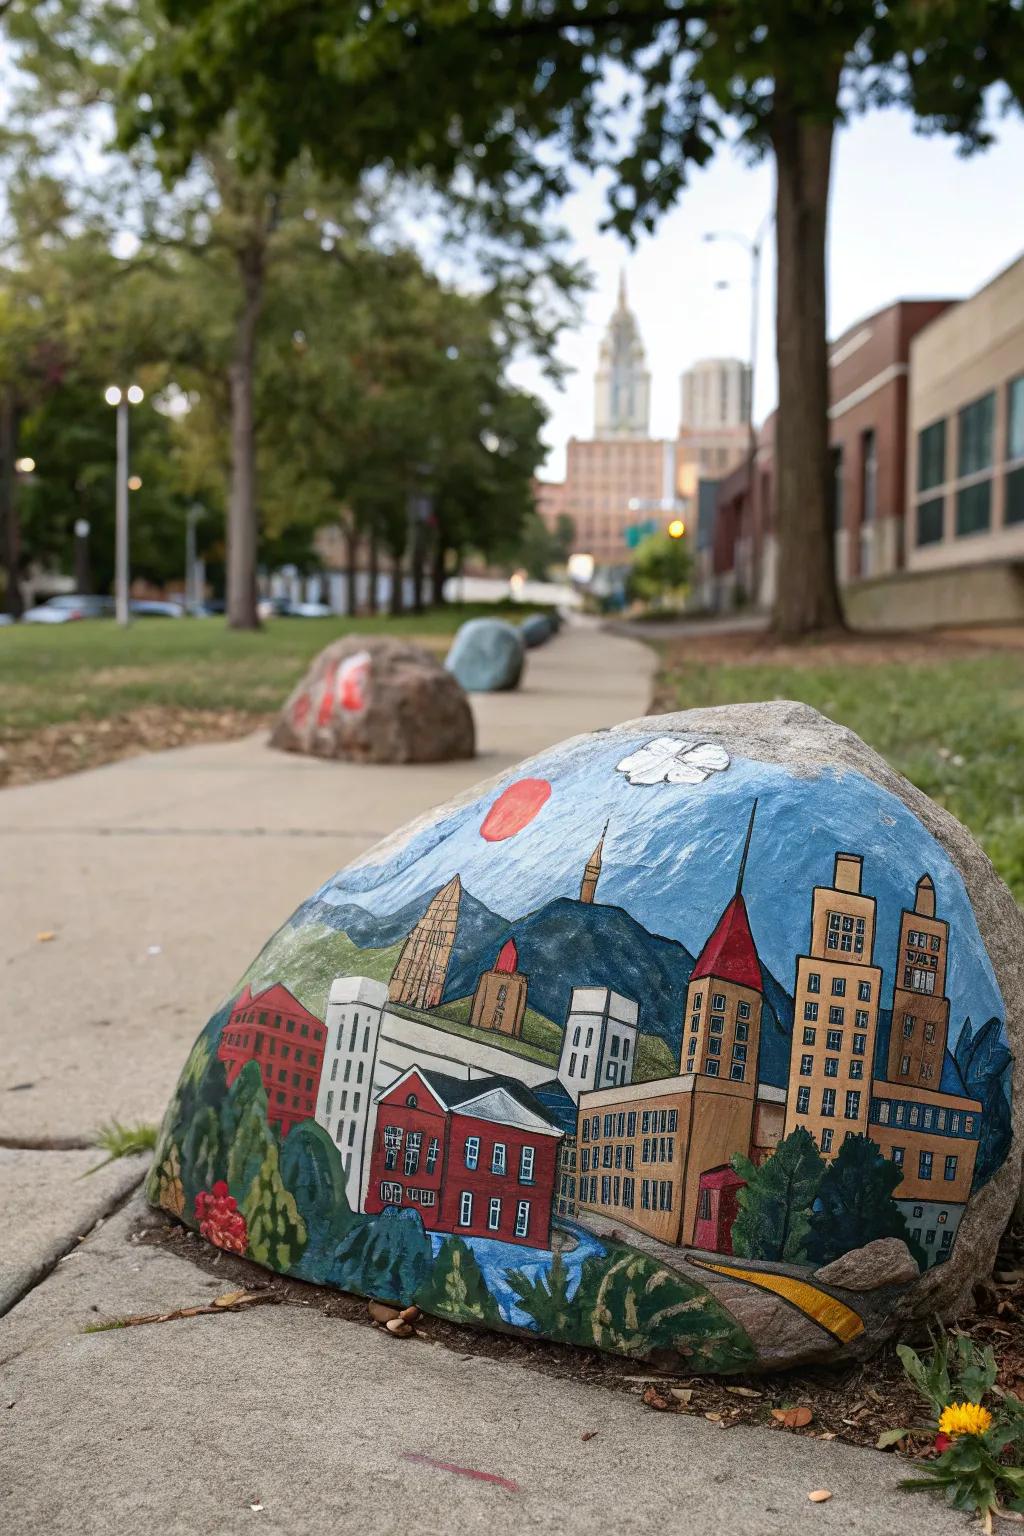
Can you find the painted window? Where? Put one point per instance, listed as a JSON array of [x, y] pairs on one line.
[[494, 1213], [411, 1161], [838, 986], [924, 1165], [803, 1100], [831, 1066], [811, 1011], [498, 1158], [664, 1195], [864, 991], [828, 1102], [620, 1123], [698, 998], [949, 1172], [853, 1104], [737, 1072], [523, 1218], [739, 1053], [897, 1156], [465, 1208], [673, 1120], [742, 1031], [391, 1194], [806, 1066], [904, 1065], [704, 1205], [630, 1157], [609, 1121], [606, 1156], [743, 1010], [810, 1035], [572, 1064], [711, 1067], [606, 1189], [859, 1044], [814, 981], [826, 1139], [860, 1018], [856, 1069], [836, 1013], [834, 1040], [718, 1002], [714, 1046], [472, 1151], [526, 1159], [628, 1193], [717, 1023]]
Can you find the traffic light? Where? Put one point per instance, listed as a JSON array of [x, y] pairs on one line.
[[676, 528]]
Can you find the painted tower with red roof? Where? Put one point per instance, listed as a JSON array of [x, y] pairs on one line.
[[499, 1001], [722, 1020]]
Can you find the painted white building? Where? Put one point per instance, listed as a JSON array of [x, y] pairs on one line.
[[369, 1046], [599, 1044]]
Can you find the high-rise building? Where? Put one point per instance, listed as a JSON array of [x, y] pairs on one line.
[[355, 1007], [835, 1012], [622, 386], [422, 969], [920, 1007], [714, 430], [599, 1043]]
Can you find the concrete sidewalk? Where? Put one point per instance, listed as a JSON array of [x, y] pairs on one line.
[[160, 878]]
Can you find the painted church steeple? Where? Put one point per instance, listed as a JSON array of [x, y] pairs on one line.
[[592, 871]]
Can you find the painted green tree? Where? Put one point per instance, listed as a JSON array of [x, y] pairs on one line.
[[388, 1256], [312, 1171], [545, 1298], [244, 1130], [457, 1288], [774, 1219], [202, 1156], [277, 1233], [855, 1202]]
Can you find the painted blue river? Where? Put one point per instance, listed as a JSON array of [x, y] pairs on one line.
[[496, 1258]]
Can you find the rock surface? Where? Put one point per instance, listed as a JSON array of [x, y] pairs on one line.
[[370, 700], [537, 629], [486, 656], [813, 972], [886, 1261]]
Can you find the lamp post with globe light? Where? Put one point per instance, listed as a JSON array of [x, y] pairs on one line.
[[121, 400]]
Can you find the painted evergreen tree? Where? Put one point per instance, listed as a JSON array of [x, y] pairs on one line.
[[855, 1203], [168, 1189], [277, 1232], [244, 1130], [312, 1172], [457, 1288], [774, 1218], [387, 1256], [545, 1297], [202, 1156]]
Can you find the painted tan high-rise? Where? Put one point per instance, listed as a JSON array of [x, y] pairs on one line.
[[835, 1016], [499, 1001], [592, 872], [920, 1007], [419, 977]]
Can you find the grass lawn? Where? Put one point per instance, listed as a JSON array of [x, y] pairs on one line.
[[92, 670], [946, 711]]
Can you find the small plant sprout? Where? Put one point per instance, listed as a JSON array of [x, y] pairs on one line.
[[118, 1140]]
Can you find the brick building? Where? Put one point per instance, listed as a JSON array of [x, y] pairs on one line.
[[477, 1158], [499, 1001], [287, 1041]]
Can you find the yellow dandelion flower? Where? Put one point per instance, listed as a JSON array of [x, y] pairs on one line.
[[964, 1419]]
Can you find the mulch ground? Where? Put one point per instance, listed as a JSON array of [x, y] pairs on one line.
[[74, 745], [856, 1404]]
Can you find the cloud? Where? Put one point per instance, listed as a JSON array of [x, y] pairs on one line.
[[667, 760]]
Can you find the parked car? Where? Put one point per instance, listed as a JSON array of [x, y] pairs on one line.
[[306, 611], [69, 606], [5, 618], [148, 608]]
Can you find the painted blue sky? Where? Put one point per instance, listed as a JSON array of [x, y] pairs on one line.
[[672, 854]]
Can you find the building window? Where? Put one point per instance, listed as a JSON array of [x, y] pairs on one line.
[[853, 1104], [572, 1064], [811, 1011], [742, 1031], [664, 1195], [673, 1121], [834, 1039], [717, 1023], [523, 1218], [864, 991], [803, 1101], [737, 1071], [814, 981], [526, 1158], [826, 1139], [628, 1188], [856, 1069], [831, 1066], [606, 1156], [718, 1002], [711, 1068], [838, 986], [908, 1026], [810, 1035], [950, 1169], [704, 1205], [880, 1112], [609, 1125], [715, 1047], [828, 1103], [494, 1213], [743, 1010], [931, 521], [924, 1165], [465, 1208], [411, 1161], [586, 1130], [904, 1065], [391, 1194], [897, 1156], [606, 1189], [836, 1013], [859, 1044], [472, 1151]]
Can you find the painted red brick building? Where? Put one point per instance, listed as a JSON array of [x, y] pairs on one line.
[[273, 1029], [476, 1158]]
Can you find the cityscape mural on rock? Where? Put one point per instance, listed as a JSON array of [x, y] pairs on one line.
[[628, 1038]]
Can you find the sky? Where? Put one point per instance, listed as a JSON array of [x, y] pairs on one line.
[[672, 854], [909, 219]]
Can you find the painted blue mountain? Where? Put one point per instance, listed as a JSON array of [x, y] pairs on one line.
[[985, 1064], [567, 944]]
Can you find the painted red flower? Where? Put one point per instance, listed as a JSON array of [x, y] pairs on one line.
[[220, 1220], [942, 1443]]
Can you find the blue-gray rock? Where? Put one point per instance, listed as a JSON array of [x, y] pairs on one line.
[[536, 629], [486, 656]]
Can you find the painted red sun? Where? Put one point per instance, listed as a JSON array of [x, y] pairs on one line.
[[514, 809]]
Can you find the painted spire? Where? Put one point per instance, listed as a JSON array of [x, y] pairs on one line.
[[730, 953], [592, 872], [507, 962], [746, 849]]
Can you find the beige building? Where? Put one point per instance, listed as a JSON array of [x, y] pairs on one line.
[[714, 419], [920, 1007], [499, 1001], [622, 384], [419, 977], [835, 1013], [965, 472]]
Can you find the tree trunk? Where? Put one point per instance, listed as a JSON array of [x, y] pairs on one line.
[[243, 535], [417, 565], [397, 598], [438, 573], [9, 504], [806, 595], [372, 572], [351, 560]]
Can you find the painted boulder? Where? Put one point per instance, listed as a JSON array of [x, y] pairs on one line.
[[536, 629], [373, 700], [690, 1040], [486, 656]]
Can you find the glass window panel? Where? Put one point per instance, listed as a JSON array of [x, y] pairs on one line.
[[974, 439], [930, 519], [974, 508]]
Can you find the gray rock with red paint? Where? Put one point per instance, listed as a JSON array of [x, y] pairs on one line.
[[372, 700]]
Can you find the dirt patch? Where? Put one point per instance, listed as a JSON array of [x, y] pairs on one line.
[[74, 745], [855, 1404]]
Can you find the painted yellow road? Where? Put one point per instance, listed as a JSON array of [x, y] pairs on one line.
[[839, 1319]]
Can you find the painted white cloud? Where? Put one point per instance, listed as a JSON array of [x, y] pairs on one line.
[[667, 760]]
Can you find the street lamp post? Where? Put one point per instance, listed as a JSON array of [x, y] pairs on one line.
[[754, 249], [192, 517], [121, 400]]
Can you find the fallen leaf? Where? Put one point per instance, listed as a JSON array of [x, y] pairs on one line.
[[381, 1312], [588, 1434], [716, 1418], [400, 1329], [744, 1392], [819, 1496], [793, 1418], [410, 1314], [653, 1398], [682, 1394], [45, 937], [240, 1298]]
